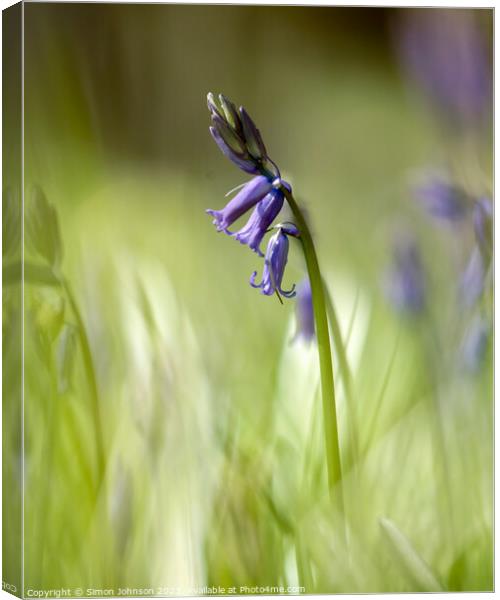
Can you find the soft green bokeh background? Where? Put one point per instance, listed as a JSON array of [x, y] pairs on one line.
[[212, 469]]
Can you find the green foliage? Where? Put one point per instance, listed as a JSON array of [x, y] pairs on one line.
[[43, 237]]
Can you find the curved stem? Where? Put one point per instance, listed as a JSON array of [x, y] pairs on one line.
[[345, 371], [90, 371], [332, 445]]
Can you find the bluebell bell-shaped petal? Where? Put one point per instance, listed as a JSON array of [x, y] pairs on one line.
[[304, 311], [483, 226], [404, 284], [274, 267], [262, 217], [442, 200], [249, 195]]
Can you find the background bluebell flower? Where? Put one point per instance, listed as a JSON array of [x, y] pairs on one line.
[[472, 280], [444, 51], [475, 344], [483, 226], [404, 283], [441, 199], [249, 195], [274, 267], [304, 311]]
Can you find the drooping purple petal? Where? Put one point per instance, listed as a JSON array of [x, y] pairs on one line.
[[304, 311], [263, 215], [274, 267], [252, 193]]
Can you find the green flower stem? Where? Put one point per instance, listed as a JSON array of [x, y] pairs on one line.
[[332, 444], [90, 371], [345, 371]]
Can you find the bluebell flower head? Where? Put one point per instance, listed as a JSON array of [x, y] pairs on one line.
[[261, 219], [483, 226], [304, 311], [238, 137], [274, 264], [473, 279], [475, 344], [441, 199], [405, 285], [445, 52], [249, 195]]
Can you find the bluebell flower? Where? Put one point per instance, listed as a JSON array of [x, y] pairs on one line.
[[472, 280], [405, 285], [274, 264], [446, 53], [261, 219], [441, 199], [475, 344], [239, 139], [252, 192], [304, 311], [483, 226]]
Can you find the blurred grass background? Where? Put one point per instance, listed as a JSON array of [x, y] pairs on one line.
[[212, 466]]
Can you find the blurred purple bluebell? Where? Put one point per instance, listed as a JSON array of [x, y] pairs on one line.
[[252, 192], [446, 53], [441, 199], [304, 311], [475, 344], [274, 264], [261, 219], [473, 280], [404, 283], [483, 226]]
